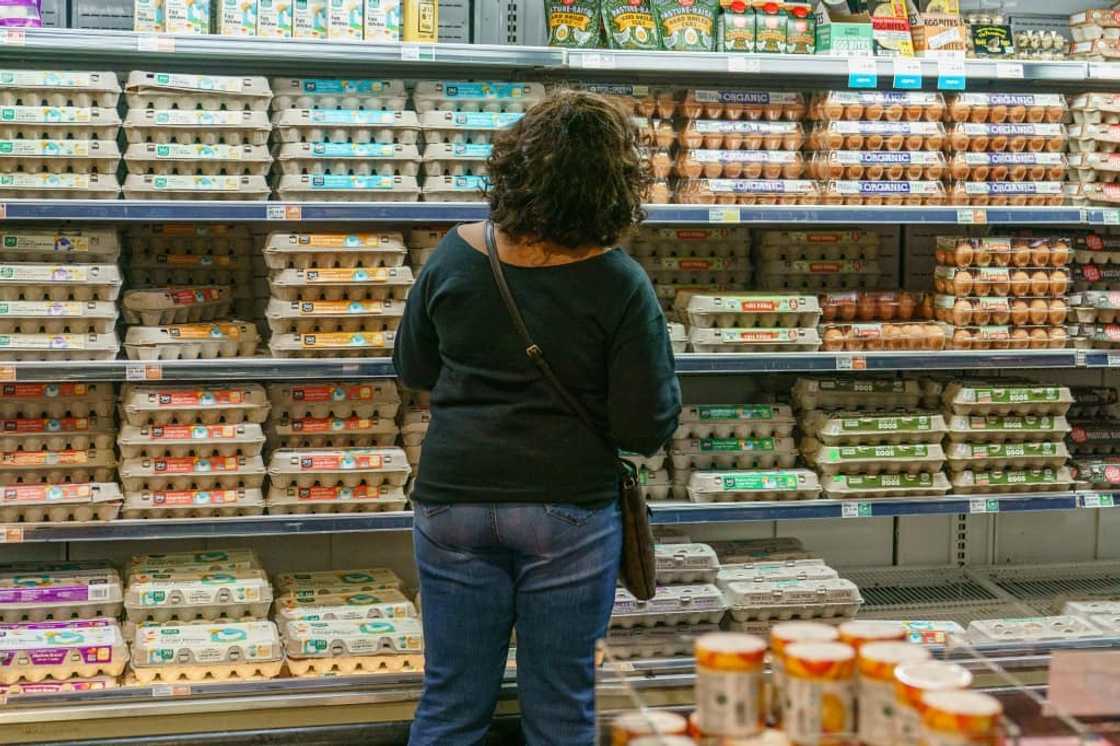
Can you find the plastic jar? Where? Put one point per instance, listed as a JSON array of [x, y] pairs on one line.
[[875, 664], [859, 632], [958, 718], [729, 684], [819, 702], [912, 682], [629, 726], [783, 635], [768, 737]]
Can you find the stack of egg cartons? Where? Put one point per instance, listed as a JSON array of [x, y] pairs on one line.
[[192, 450], [197, 137], [188, 286], [58, 289], [416, 416], [692, 259], [344, 140], [60, 632], [314, 326], [816, 261], [348, 622], [422, 240], [750, 322], [200, 616], [1094, 139], [878, 320], [1007, 436], [60, 134], [458, 119], [763, 593], [1094, 440], [334, 448]]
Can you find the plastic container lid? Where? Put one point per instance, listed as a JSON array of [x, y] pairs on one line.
[[914, 680], [877, 660], [860, 632], [787, 633], [730, 651], [820, 660]]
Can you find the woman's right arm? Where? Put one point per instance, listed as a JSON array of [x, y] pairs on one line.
[[416, 350]]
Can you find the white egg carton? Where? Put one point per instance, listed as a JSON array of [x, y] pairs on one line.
[[58, 186], [735, 421], [322, 648], [192, 472], [871, 460], [970, 482], [995, 399], [1031, 629], [333, 432], [176, 305], [366, 342], [183, 271], [185, 127], [197, 159], [148, 441], [462, 159], [52, 686], [752, 551], [57, 433], [359, 126], [344, 607], [55, 400], [200, 652], [186, 594], [336, 93], [209, 404], [1007, 429], [57, 317], [415, 422], [781, 600], [454, 188], [862, 394], [334, 250], [485, 96], [1003, 456], [860, 428], [362, 498], [59, 347], [336, 399], [206, 340], [464, 127], [358, 159], [54, 282], [209, 560], [734, 453], [698, 242], [74, 245], [153, 186], [333, 316], [347, 188], [57, 650], [1108, 624], [754, 339], [145, 90], [36, 503], [768, 572], [374, 283], [192, 503], [749, 310], [689, 564], [655, 485], [1090, 609], [56, 467], [860, 486], [59, 156], [750, 486], [310, 585], [655, 642], [62, 590], [338, 467], [60, 87], [59, 123], [672, 605]]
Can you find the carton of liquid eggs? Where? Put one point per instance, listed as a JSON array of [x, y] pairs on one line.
[[970, 482], [61, 650], [336, 93], [367, 399], [673, 605], [702, 421], [205, 340], [208, 404], [85, 501], [875, 165], [891, 106], [332, 647], [338, 467], [165, 91], [197, 127], [197, 652], [38, 591], [867, 486], [197, 159], [1007, 456], [782, 600], [192, 503], [186, 593], [745, 486]]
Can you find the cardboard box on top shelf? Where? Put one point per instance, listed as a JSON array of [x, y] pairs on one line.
[[864, 28], [187, 16], [237, 17], [937, 29], [309, 19], [420, 20], [274, 19], [383, 20]]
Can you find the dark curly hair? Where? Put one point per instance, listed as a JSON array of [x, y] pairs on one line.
[[570, 171]]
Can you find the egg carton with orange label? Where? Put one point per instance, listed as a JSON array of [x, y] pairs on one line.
[[891, 136], [308, 586], [192, 472], [1024, 283], [747, 192], [187, 270], [1007, 193], [336, 93], [999, 398], [1033, 629], [68, 318], [1044, 166], [342, 467], [35, 503], [365, 342], [1095, 108], [73, 245], [420, 249], [1099, 437], [197, 159], [367, 399], [334, 647], [353, 284], [673, 605], [735, 421], [875, 165], [333, 432], [23, 185], [781, 600], [59, 88], [209, 404], [192, 503], [1007, 428], [843, 274], [59, 123], [56, 433], [735, 104], [873, 460], [818, 245], [56, 467], [176, 305], [697, 270], [1007, 456], [60, 156], [1012, 108], [864, 395], [196, 127], [183, 186], [38, 591], [186, 593], [161, 91], [200, 652], [55, 400], [753, 339], [748, 310], [838, 192], [147, 441], [309, 251], [732, 453], [363, 498], [205, 340], [873, 106], [332, 316], [750, 486], [340, 158], [869, 486], [60, 650], [716, 134], [969, 482]]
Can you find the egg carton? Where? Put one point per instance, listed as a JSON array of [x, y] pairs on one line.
[[655, 485], [365, 342], [176, 305], [731, 104], [353, 665], [153, 186], [196, 652], [191, 238], [872, 460], [1094, 306], [73, 245], [734, 453], [59, 123], [52, 282], [688, 242], [750, 551], [701, 421], [450, 96], [61, 591], [58, 186], [1095, 277], [873, 106], [701, 273], [307, 640], [1001, 193], [34, 652], [145, 441], [192, 472], [1006, 456], [59, 156], [55, 467], [738, 164], [341, 467], [1099, 437], [462, 159], [1093, 167], [1031, 629], [746, 192], [874, 165], [712, 311], [348, 158], [336, 399], [783, 600], [1014, 138], [1007, 428], [1094, 107], [841, 192], [93, 318], [1008, 166], [1007, 107], [1108, 624], [861, 486], [60, 88], [193, 503], [193, 273], [716, 134], [747, 486], [885, 395], [1034, 480], [51, 686], [454, 188], [1101, 472], [656, 642], [308, 251], [56, 503], [866, 135], [209, 404], [83, 346], [862, 429], [1091, 609], [678, 337], [995, 399], [205, 340], [197, 159], [1090, 137], [414, 426], [209, 560], [464, 127], [1092, 401], [673, 605], [186, 127], [656, 462], [362, 498], [358, 126], [756, 339], [375, 283], [348, 188], [831, 240], [56, 434], [336, 93], [769, 572], [343, 607], [688, 564], [310, 585], [333, 432], [55, 400], [817, 277], [174, 594], [883, 336], [145, 90]]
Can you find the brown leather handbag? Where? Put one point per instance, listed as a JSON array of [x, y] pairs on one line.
[[638, 567]]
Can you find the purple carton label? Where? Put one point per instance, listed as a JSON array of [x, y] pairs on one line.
[[60, 594], [57, 656]]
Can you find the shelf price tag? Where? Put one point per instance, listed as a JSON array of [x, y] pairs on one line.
[[972, 217], [1104, 70], [863, 72], [1080, 359], [143, 372], [1009, 70], [171, 690], [851, 362], [983, 505], [1093, 501], [596, 61], [1113, 361], [153, 43], [951, 75], [13, 37], [284, 212], [7, 372], [11, 535], [724, 215], [740, 63], [1110, 216], [855, 510], [907, 73]]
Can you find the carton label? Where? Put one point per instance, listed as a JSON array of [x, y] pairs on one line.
[[886, 424], [735, 412], [873, 452], [181, 398], [183, 498], [193, 464], [312, 393], [345, 461], [888, 481], [342, 339], [204, 331], [754, 481], [735, 444]]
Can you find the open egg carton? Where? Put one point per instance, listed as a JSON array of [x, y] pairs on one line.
[[340, 647], [185, 593], [781, 600], [1031, 629], [970, 482], [310, 586], [339, 399], [341, 284], [673, 605], [753, 486], [61, 650], [207, 404], [203, 340], [351, 468], [62, 590], [1006, 398], [60, 502], [220, 651], [885, 395]]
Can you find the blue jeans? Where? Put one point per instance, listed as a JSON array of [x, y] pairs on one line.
[[547, 570]]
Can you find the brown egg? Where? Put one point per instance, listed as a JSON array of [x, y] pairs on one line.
[[981, 314], [865, 308], [1040, 254], [833, 339], [1039, 311], [1017, 113], [1055, 114], [894, 142], [1020, 283], [873, 112], [1059, 254], [926, 308], [958, 169], [1040, 283], [1059, 282], [1020, 339], [1039, 339], [1001, 254], [962, 340], [979, 113], [998, 144], [963, 255], [887, 308], [1020, 254], [833, 110], [1058, 337], [958, 112], [892, 337], [1000, 313], [906, 306], [998, 114], [1000, 282], [981, 284], [962, 312], [1020, 313], [962, 283], [1057, 312], [1017, 143], [934, 337], [983, 255]]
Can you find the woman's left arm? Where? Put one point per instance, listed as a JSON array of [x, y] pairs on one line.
[[416, 351]]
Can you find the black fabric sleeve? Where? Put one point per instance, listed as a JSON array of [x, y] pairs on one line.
[[416, 351]]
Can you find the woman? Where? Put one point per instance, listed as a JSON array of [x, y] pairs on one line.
[[517, 525]]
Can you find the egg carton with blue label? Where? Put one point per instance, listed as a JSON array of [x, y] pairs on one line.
[[672, 605], [332, 432], [58, 186], [182, 186], [464, 128], [37, 591], [338, 93], [998, 456], [58, 347], [192, 472], [72, 245], [209, 404], [205, 340], [370, 341], [751, 486], [196, 159], [157, 270], [192, 503], [863, 486], [753, 339], [59, 88], [781, 600], [862, 428], [358, 126], [334, 250], [969, 482], [735, 421], [446, 159], [57, 467], [1032, 629], [348, 158], [35, 503], [184, 127], [344, 607], [310, 585], [863, 395], [482, 96], [655, 642], [335, 399], [188, 594], [56, 433], [348, 188], [734, 453], [147, 441], [59, 123], [352, 284], [59, 156], [363, 498], [454, 188], [696, 270], [766, 572], [57, 318], [910, 458], [176, 305], [325, 648], [338, 467], [309, 317], [1007, 429], [61, 650], [201, 652], [161, 91], [55, 400], [685, 563]]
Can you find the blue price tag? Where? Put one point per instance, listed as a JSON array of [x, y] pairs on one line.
[[950, 75], [862, 72], [907, 74]]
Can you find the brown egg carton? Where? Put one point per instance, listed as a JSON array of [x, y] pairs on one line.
[[192, 503], [655, 133], [1004, 193], [874, 106], [56, 400], [747, 192], [367, 399], [863, 135], [333, 432], [881, 336], [1011, 108], [875, 305], [660, 161], [1008, 166], [1001, 281], [642, 100], [1010, 138], [735, 105], [84, 501], [839, 192], [1033, 253], [734, 164], [1000, 311], [363, 498], [853, 165], [1006, 337], [192, 472], [715, 134]]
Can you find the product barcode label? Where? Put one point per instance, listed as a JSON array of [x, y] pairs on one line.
[[855, 510], [983, 505], [1098, 501]]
